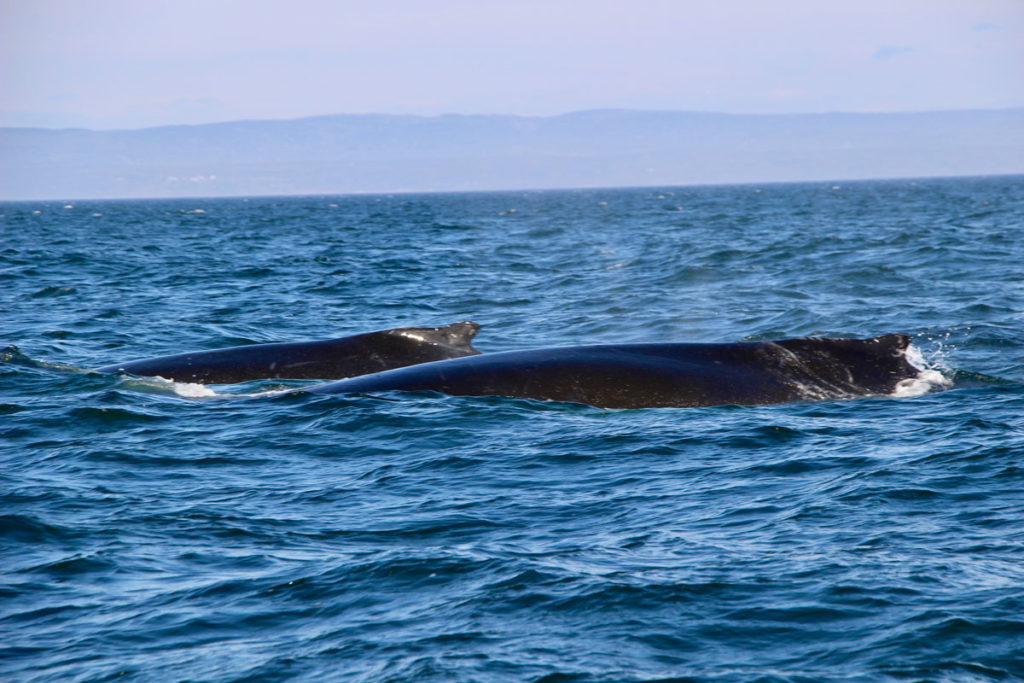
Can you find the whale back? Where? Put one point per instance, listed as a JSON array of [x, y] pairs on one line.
[[662, 375], [324, 359]]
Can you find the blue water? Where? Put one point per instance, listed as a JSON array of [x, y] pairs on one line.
[[153, 532]]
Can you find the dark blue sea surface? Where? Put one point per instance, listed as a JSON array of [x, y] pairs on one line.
[[152, 531]]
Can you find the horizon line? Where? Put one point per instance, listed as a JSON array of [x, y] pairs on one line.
[[574, 188]]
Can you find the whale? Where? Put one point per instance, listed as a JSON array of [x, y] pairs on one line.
[[656, 375], [326, 359]]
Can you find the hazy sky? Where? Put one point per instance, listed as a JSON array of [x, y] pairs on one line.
[[134, 63]]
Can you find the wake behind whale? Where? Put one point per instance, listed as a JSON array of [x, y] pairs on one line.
[[664, 375]]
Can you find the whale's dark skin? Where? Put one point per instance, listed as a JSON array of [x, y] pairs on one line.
[[662, 375], [328, 359]]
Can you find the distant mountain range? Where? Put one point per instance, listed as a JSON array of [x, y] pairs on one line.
[[382, 153]]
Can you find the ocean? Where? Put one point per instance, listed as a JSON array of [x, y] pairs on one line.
[[154, 531]]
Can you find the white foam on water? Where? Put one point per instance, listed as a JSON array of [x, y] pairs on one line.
[[194, 390], [931, 377], [925, 383], [190, 390], [263, 394], [161, 385]]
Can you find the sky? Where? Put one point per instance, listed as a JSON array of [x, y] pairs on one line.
[[109, 64]]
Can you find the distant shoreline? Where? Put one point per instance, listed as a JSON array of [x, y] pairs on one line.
[[383, 154]]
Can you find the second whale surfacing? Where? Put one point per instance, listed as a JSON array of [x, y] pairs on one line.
[[327, 359], [663, 375]]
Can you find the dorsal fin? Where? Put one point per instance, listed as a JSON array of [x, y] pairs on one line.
[[874, 364], [897, 342], [459, 335]]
